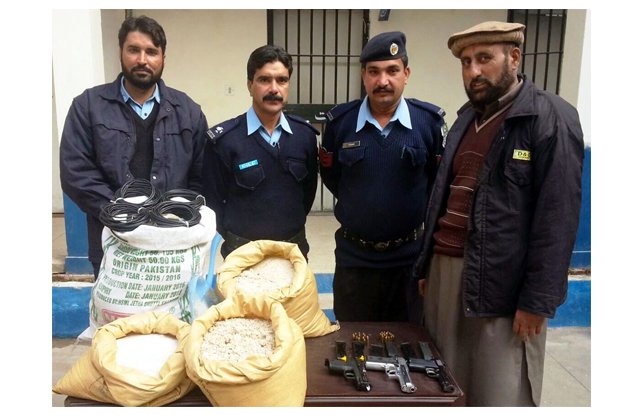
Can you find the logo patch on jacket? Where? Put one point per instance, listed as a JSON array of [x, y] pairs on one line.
[[524, 155], [247, 165]]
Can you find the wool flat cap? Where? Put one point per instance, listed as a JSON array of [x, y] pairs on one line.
[[486, 32], [383, 47]]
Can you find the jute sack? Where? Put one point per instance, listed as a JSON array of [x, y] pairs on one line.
[[275, 380], [300, 299], [97, 376]]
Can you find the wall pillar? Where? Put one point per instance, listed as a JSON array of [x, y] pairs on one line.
[[77, 64]]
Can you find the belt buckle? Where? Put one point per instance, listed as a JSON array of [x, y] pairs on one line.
[[381, 246]]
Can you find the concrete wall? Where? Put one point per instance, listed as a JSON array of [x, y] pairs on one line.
[[73, 69]]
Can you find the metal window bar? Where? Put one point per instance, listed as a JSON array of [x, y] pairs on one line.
[[544, 29], [332, 62]]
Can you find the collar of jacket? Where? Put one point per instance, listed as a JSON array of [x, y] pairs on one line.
[[522, 106], [111, 92]]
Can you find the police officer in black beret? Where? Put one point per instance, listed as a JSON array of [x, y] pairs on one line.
[[378, 157], [260, 168]]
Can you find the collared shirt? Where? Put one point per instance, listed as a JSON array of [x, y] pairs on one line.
[[142, 110], [253, 124], [401, 114], [501, 104]]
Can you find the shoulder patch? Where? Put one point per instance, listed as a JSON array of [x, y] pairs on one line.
[[221, 129], [341, 109], [300, 120], [426, 106]]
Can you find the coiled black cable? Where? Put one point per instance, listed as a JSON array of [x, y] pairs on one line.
[[123, 217], [138, 187], [157, 210], [168, 214], [194, 198]]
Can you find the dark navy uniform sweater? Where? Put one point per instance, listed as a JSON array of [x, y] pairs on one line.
[[256, 190], [381, 184]]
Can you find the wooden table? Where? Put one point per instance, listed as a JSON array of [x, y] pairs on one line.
[[325, 389]]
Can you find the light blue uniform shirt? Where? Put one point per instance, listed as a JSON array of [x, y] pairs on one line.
[[401, 114], [142, 110], [253, 124]]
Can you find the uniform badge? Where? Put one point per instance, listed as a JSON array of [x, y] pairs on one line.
[[351, 144], [213, 133], [247, 165], [325, 158], [524, 155], [394, 49]]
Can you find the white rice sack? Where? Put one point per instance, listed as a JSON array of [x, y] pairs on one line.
[[259, 269]]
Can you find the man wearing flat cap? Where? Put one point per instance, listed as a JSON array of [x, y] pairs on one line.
[[502, 221], [378, 158]]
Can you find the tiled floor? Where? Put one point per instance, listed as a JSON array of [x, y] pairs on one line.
[[567, 365]]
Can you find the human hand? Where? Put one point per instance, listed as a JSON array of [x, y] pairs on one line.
[[422, 287], [527, 324]]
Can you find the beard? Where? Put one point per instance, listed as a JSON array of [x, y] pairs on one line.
[[141, 81], [494, 90]]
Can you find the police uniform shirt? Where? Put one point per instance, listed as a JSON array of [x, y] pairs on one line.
[[381, 182], [253, 124], [401, 114], [257, 190]]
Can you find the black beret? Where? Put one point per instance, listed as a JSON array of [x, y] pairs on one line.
[[383, 47]]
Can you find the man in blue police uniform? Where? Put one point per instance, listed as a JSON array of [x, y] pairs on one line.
[[378, 158], [260, 168], [134, 127]]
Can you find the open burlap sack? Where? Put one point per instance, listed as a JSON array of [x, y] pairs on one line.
[[300, 299], [275, 380], [97, 375]]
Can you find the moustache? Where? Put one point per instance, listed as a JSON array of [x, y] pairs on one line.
[[479, 79], [382, 89], [273, 98], [142, 68]]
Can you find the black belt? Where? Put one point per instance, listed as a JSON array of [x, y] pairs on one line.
[[382, 246], [235, 241]]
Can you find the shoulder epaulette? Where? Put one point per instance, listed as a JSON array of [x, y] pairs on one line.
[[427, 106], [341, 109], [221, 129], [301, 120]]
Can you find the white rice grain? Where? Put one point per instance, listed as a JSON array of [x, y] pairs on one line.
[[270, 274], [146, 352], [235, 339]]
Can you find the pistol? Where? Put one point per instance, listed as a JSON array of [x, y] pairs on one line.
[[394, 365], [432, 367], [351, 367]]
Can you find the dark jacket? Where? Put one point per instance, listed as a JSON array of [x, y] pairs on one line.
[[381, 184], [99, 141], [525, 213], [256, 190]]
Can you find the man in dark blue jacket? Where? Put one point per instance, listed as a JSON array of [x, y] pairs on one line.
[[260, 168], [501, 223], [378, 158], [134, 127]]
